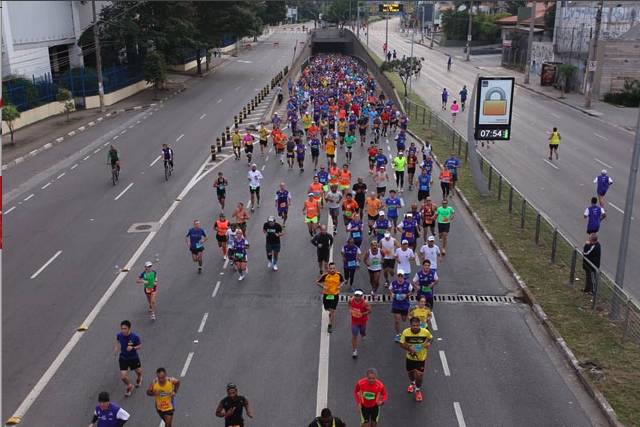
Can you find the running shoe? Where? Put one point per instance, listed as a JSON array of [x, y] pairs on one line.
[[329, 329], [418, 396], [397, 338], [199, 270], [275, 268], [128, 392], [270, 264], [138, 382], [411, 388], [354, 353], [241, 278], [350, 288], [153, 316]]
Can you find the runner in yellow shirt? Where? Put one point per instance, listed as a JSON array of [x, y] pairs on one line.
[[164, 389], [415, 340], [330, 282]]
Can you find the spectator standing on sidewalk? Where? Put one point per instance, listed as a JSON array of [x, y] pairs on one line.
[[591, 252]]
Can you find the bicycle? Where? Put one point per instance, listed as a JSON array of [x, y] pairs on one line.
[[168, 170], [115, 173]]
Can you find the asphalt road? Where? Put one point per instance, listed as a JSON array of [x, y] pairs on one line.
[[267, 334], [562, 188]]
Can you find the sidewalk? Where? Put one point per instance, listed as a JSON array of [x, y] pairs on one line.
[[37, 137]]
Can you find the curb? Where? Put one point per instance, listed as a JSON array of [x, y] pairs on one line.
[[81, 129], [529, 298]]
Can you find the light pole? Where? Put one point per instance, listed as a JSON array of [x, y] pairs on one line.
[[527, 68], [593, 51], [468, 47], [96, 41]]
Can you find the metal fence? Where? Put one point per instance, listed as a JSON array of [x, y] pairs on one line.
[[26, 93], [608, 299]]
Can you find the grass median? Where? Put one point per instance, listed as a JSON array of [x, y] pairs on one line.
[[595, 339]]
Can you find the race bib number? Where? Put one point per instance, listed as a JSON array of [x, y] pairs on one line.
[[348, 213], [253, 187], [367, 395], [356, 313], [220, 187], [399, 296], [409, 235], [164, 405], [426, 289], [356, 234], [417, 347], [351, 263], [331, 297], [283, 204], [198, 245], [392, 207], [375, 262], [445, 219]]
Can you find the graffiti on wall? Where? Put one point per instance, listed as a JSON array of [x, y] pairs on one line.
[[542, 52]]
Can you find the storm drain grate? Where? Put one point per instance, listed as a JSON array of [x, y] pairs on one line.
[[478, 299]]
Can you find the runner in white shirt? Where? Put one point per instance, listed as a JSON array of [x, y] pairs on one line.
[[254, 176], [373, 261], [231, 236], [388, 246], [404, 257], [333, 200], [431, 251]]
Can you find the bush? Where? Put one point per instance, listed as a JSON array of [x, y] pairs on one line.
[[629, 98], [20, 91]]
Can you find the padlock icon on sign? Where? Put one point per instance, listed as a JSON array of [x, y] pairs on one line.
[[497, 106]]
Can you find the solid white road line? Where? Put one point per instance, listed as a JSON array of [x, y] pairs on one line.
[[155, 161], [204, 320], [9, 210], [123, 191], [180, 137], [186, 365], [322, 390], [554, 115], [27, 199], [215, 290], [456, 407], [603, 163], [434, 325], [445, 365], [46, 185], [46, 264]]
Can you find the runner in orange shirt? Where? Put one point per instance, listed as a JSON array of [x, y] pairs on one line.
[[344, 178], [349, 209], [373, 206]]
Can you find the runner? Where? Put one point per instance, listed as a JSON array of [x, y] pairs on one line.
[[326, 419], [424, 184], [301, 150], [393, 204], [330, 282], [422, 312], [388, 245], [273, 231], [373, 205], [264, 136], [334, 200], [359, 190], [445, 181], [247, 141], [323, 178], [453, 164], [149, 278], [415, 340], [351, 261], [241, 216], [604, 181], [109, 414], [554, 142], [240, 246], [370, 394], [373, 261], [127, 345], [400, 291], [221, 185], [195, 239], [314, 144], [399, 165], [454, 111], [254, 176], [164, 389], [311, 212], [362, 128], [231, 236], [236, 140], [463, 97], [283, 201], [221, 227], [323, 242], [424, 281], [381, 226], [412, 161], [404, 256], [230, 408], [349, 209], [344, 178], [431, 252], [356, 230], [410, 231], [360, 310], [445, 215]]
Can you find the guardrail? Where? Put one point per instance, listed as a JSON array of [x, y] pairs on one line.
[[608, 299]]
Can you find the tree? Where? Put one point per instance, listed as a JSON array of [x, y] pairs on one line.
[[9, 115], [550, 20], [339, 11], [64, 97], [404, 68], [566, 73], [155, 71]]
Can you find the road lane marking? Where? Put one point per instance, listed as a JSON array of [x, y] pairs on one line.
[[61, 175], [238, 88], [29, 197], [456, 407], [46, 185], [186, 365], [9, 210], [96, 150], [616, 208], [219, 100], [554, 115], [180, 137], [115, 137], [86, 158], [202, 116], [46, 264], [434, 325], [322, 390], [551, 164], [204, 320], [262, 168], [603, 163], [445, 365], [74, 166], [123, 191], [600, 136], [154, 162], [215, 290]]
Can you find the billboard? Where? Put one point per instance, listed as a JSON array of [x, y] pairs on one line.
[[494, 104]]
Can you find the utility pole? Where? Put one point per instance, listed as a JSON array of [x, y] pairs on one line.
[[593, 51], [532, 19], [386, 34], [468, 47], [96, 41], [358, 22]]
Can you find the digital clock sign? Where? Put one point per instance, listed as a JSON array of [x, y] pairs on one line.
[[494, 105], [390, 7]]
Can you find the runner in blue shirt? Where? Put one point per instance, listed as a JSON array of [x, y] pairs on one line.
[[283, 201], [323, 178], [393, 204], [195, 238], [453, 163], [351, 261], [301, 149], [108, 414], [594, 214], [424, 184], [355, 228], [400, 290], [604, 182], [381, 225], [424, 281]]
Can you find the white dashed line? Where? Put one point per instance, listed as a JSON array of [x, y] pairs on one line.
[[554, 115], [86, 158], [219, 100], [45, 186], [551, 164], [445, 365], [603, 163], [180, 137], [4, 213], [186, 365], [124, 191], [458, 410], [46, 264], [74, 166], [115, 137], [29, 197], [202, 116], [616, 208], [434, 325], [215, 290], [238, 88], [96, 151], [61, 175], [262, 168], [154, 162], [203, 322], [123, 132], [600, 136]]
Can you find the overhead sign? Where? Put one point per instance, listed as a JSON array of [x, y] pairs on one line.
[[494, 105], [390, 7]]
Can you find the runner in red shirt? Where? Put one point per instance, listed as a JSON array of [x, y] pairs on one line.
[[360, 310], [370, 394]]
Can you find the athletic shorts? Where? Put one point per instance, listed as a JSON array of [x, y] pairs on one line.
[[428, 224], [255, 189], [248, 148], [411, 171], [381, 189], [196, 251], [330, 303], [403, 312], [362, 132], [313, 220], [221, 238], [331, 156], [126, 364], [315, 154], [323, 255], [282, 214], [423, 194], [372, 218], [454, 177], [290, 155], [149, 291], [359, 329], [369, 414], [443, 227], [344, 187], [347, 219], [334, 212], [388, 263], [164, 413], [416, 365], [273, 248], [553, 146], [263, 142], [341, 134]]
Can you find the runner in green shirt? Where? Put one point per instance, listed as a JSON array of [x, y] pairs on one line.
[[399, 164], [149, 278], [349, 140], [445, 215]]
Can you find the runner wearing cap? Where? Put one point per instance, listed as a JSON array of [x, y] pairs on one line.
[[388, 246], [230, 408], [360, 310], [373, 261], [373, 205], [381, 225], [400, 290], [404, 256], [604, 181], [430, 251], [317, 189], [272, 230], [311, 212], [221, 226], [149, 278], [283, 201], [409, 230], [381, 178]]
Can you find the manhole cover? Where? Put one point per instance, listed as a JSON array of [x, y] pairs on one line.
[[143, 227]]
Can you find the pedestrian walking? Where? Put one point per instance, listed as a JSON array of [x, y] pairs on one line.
[[108, 414], [127, 345], [591, 262], [603, 182]]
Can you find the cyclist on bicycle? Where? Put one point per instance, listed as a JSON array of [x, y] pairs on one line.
[[167, 155], [113, 157]]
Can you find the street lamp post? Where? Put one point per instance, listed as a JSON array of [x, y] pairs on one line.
[[527, 68]]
